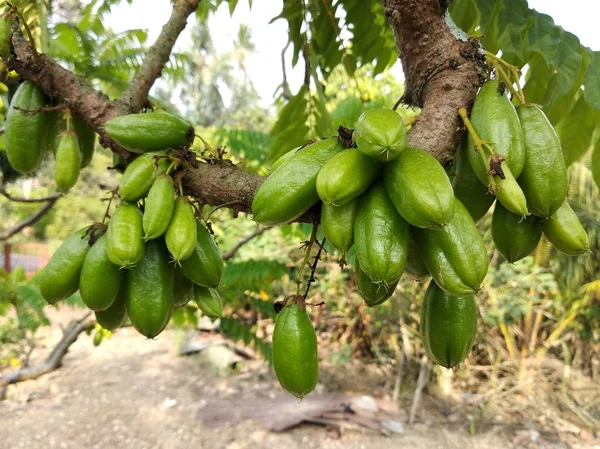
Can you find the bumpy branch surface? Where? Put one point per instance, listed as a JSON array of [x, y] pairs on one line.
[[136, 94], [442, 72]]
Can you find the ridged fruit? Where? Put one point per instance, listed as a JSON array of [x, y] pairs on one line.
[[565, 232], [514, 236], [380, 134], [338, 224], [372, 293]]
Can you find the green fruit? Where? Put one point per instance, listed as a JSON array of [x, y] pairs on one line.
[[98, 336], [454, 255], [183, 288], [150, 291], [112, 318], [209, 301], [380, 134], [125, 245], [371, 292], [119, 162], [68, 161], [509, 193], [149, 132], [279, 162], [295, 350], [338, 224], [596, 165], [380, 236], [159, 206], [420, 189], [565, 232], [180, 236], [139, 176], [415, 265], [346, 176], [5, 29], [59, 279], [54, 128], [100, 279], [514, 236], [292, 189], [205, 266], [25, 135], [544, 176], [495, 119], [87, 140], [475, 196], [448, 326]]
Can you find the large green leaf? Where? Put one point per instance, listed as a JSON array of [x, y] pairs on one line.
[[291, 129], [575, 131], [542, 36], [465, 15], [567, 62], [592, 82]]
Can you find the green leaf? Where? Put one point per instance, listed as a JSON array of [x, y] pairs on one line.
[[30, 308], [488, 12], [512, 26], [592, 82], [254, 275], [596, 163], [536, 85], [465, 15], [566, 62], [291, 129], [576, 130], [542, 36]]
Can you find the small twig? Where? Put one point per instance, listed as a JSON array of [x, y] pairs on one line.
[[287, 93], [16, 199], [308, 246], [313, 267], [28, 221], [220, 206], [32, 112], [258, 231]]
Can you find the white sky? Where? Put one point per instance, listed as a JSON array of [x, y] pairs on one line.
[[264, 67]]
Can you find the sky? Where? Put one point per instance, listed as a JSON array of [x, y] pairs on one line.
[[580, 17]]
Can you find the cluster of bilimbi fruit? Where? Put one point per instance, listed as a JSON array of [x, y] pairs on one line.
[[404, 213]]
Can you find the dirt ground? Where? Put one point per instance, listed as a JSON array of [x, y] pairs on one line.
[[133, 393]]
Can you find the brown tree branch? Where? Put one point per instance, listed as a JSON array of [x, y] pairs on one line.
[[8, 196], [155, 59], [29, 220], [258, 231]]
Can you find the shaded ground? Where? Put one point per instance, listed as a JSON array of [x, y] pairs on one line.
[[132, 393]]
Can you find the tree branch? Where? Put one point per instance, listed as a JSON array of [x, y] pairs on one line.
[[442, 72], [136, 94], [8, 196], [29, 220], [258, 231]]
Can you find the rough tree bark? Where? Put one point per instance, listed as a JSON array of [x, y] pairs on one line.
[[442, 75]]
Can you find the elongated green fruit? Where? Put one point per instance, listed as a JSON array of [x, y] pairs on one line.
[[295, 351], [514, 236], [380, 134], [87, 140], [55, 126], [544, 176], [292, 189], [565, 232], [149, 132], [510, 194], [372, 293], [454, 255], [139, 176], [150, 291], [183, 288], [448, 326], [381, 236], [415, 265], [209, 301], [100, 279], [420, 189], [68, 161], [338, 224], [205, 266], [467, 188], [279, 162], [181, 232], [113, 317], [159, 206], [494, 118], [60, 277], [346, 175], [5, 28], [25, 135], [125, 244]]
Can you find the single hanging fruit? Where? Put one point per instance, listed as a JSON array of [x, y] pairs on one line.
[[345, 176], [295, 350], [338, 224], [496, 122], [100, 279], [292, 189], [139, 176], [153, 131], [415, 265], [565, 232], [205, 266], [125, 244], [380, 134], [448, 326], [25, 135], [68, 161], [209, 301], [180, 236], [150, 291], [514, 236], [112, 318], [509, 192], [544, 177], [87, 140], [381, 236], [454, 255], [159, 206], [59, 279], [372, 293], [420, 189]]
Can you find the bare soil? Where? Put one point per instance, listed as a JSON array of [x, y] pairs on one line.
[[133, 393]]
